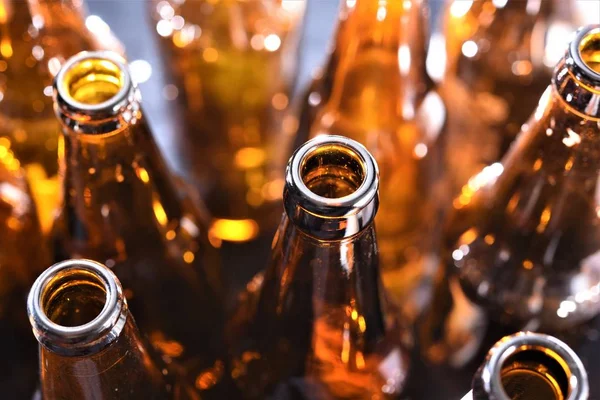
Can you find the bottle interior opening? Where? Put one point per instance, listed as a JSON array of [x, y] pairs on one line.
[[74, 297], [589, 48], [93, 81], [535, 374], [332, 171]]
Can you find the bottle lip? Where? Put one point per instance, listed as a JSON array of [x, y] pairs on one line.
[[331, 218], [490, 374], [110, 107], [82, 339], [575, 52]]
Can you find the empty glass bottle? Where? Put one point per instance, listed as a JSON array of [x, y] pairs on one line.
[[22, 258], [379, 96], [322, 327], [121, 207], [500, 56], [90, 346], [530, 366], [36, 37], [233, 64], [521, 249]]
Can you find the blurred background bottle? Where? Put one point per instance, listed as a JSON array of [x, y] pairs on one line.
[[530, 366], [89, 344], [22, 258], [380, 96], [121, 207], [499, 59], [36, 37], [521, 248], [322, 327], [233, 64]]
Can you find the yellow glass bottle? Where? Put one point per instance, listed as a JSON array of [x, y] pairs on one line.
[[121, 207], [322, 327], [22, 258], [36, 37], [520, 248], [233, 64], [380, 97], [89, 344], [500, 56]]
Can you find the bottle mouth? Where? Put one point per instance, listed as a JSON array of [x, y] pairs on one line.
[[534, 366], [76, 307], [331, 187], [93, 82], [586, 51]]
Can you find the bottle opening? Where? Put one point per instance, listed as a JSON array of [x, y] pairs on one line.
[[93, 81], [535, 374], [589, 49], [333, 171], [73, 298], [76, 307]]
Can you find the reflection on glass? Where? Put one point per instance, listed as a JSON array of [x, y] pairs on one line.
[[522, 246], [122, 208], [36, 36], [320, 325], [500, 56], [104, 355], [375, 90], [22, 257], [233, 64]]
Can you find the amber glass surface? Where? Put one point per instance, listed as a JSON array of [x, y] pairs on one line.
[[233, 64], [321, 326], [36, 36], [521, 246], [113, 364], [22, 257], [379, 97], [500, 56], [122, 208]]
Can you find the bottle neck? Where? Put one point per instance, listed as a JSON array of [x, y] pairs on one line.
[[380, 47], [577, 76], [533, 366]]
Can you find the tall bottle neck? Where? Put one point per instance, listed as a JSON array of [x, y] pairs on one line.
[[381, 49]]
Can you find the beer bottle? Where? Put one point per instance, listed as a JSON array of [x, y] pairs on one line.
[[36, 36], [530, 366], [322, 327], [90, 346], [520, 248], [380, 98], [121, 207], [500, 56], [233, 65], [22, 258]]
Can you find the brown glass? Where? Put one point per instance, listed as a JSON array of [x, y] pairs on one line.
[[520, 247], [90, 346], [233, 65], [380, 97], [122, 208], [22, 258], [530, 366], [321, 327], [36, 36], [500, 57]]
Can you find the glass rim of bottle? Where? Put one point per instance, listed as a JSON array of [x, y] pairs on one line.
[[582, 37], [552, 347], [112, 105], [91, 336], [332, 217]]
